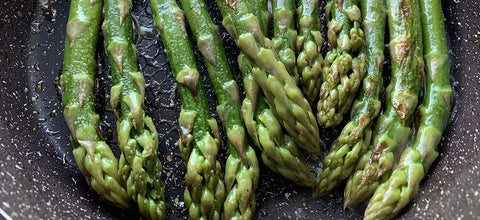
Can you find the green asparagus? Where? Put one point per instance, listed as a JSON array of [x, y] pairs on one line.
[[355, 136], [241, 170], [139, 165], [249, 104], [285, 98], [393, 127], [93, 156], [394, 194], [285, 34], [309, 43], [344, 63], [279, 151], [199, 137], [259, 8]]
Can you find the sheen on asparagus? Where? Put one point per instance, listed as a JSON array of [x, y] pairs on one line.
[[285, 34], [309, 43], [199, 138], [392, 130], [285, 98], [139, 165], [344, 63], [241, 170], [93, 156], [355, 136], [394, 194]]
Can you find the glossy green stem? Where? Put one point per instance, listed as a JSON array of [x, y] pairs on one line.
[[199, 137], [139, 165]]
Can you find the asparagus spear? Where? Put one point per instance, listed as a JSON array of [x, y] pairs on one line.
[[93, 156], [285, 98], [285, 34], [241, 170], [394, 194], [139, 165], [344, 63], [199, 138], [249, 104], [309, 44], [393, 127], [355, 136], [279, 151]]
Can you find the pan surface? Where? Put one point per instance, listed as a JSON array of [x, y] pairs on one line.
[[39, 178]]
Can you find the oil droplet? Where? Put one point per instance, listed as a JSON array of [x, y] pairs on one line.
[[53, 113], [35, 27], [42, 119], [38, 86], [51, 133]]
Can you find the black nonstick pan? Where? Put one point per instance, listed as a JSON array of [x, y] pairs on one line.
[[39, 178]]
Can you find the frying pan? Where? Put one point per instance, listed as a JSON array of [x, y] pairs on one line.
[[39, 178]]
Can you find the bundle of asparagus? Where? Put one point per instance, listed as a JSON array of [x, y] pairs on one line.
[[279, 151], [284, 97], [276, 115], [395, 193], [94, 157], [241, 169], [392, 130], [355, 137]]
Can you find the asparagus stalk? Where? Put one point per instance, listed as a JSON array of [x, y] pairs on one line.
[[139, 165], [93, 156], [355, 136], [284, 97], [249, 104], [241, 170], [285, 34], [279, 151], [344, 63], [394, 194], [393, 127], [199, 138], [309, 44]]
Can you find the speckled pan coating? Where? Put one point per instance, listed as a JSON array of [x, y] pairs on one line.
[[35, 182]]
